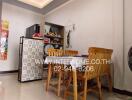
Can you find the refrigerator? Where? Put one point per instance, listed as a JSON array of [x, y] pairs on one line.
[[30, 59]]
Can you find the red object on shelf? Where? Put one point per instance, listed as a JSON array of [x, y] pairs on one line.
[[46, 40], [37, 35]]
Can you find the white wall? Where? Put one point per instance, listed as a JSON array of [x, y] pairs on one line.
[[98, 23], [0, 8], [118, 44], [19, 19], [93, 19], [128, 42]]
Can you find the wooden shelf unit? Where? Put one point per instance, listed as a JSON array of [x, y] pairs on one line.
[[58, 37]]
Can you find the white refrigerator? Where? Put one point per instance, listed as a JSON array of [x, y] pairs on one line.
[[30, 59]]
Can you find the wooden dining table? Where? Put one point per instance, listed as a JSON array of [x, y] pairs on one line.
[[75, 62]]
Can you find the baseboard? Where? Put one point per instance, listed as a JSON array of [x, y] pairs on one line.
[[6, 72], [123, 92]]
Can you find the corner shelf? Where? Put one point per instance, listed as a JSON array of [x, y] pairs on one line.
[[49, 36], [54, 35], [54, 44]]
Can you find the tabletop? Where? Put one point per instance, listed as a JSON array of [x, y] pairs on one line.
[[75, 62]]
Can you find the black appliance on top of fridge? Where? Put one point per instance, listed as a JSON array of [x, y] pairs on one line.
[[30, 59], [32, 29]]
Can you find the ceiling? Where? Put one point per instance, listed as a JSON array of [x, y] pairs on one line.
[[44, 10]]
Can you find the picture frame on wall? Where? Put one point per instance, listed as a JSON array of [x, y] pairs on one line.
[[4, 32]]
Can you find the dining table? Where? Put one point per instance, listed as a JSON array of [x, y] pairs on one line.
[[75, 63]]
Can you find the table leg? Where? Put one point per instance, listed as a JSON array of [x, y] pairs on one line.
[[49, 77], [75, 84]]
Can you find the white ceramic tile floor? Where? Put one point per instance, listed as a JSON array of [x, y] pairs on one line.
[[11, 89]]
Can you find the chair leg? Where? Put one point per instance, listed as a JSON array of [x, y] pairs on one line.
[[49, 77], [67, 86], [59, 84], [109, 82], [99, 87], [85, 90]]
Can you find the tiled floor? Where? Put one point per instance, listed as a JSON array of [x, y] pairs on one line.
[[11, 89]]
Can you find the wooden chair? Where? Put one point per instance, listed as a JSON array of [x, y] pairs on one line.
[[70, 53], [94, 54], [66, 74], [106, 67], [54, 52], [58, 52]]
